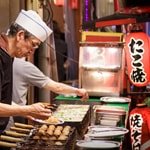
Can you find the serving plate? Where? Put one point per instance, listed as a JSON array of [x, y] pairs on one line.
[[98, 144], [102, 131], [49, 123], [115, 99]]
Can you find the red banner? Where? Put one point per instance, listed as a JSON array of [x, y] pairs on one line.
[[137, 49], [73, 4], [59, 2], [116, 5]]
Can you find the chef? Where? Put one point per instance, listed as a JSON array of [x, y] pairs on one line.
[[21, 39]]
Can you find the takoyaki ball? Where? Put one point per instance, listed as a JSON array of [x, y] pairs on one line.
[[52, 119], [62, 137], [67, 128], [65, 132], [55, 120], [52, 127], [53, 138], [58, 143], [36, 137], [42, 132], [45, 138], [43, 127], [50, 132], [57, 132], [59, 128]]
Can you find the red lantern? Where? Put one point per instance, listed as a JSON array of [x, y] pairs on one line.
[[137, 51]]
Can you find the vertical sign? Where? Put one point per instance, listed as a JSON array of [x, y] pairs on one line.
[[138, 58]]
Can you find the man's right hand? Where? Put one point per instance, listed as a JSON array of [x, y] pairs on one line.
[[39, 111]]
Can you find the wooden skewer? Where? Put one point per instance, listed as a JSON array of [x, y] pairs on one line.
[[21, 125], [15, 134], [7, 144], [10, 139]]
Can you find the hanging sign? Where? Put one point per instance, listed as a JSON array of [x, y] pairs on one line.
[[137, 51], [59, 2], [139, 128], [73, 4]]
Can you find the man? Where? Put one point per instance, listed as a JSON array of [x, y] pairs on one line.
[[26, 73], [23, 36]]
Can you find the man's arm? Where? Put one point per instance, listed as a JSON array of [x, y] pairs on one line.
[[62, 88], [36, 110]]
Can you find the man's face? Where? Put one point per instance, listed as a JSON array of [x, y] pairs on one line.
[[26, 46]]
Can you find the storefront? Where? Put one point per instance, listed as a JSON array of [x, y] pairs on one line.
[[109, 58]]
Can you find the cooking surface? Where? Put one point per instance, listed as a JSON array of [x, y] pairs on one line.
[[71, 113]]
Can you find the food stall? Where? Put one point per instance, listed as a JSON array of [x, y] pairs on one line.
[[75, 123], [73, 131], [102, 78], [98, 123]]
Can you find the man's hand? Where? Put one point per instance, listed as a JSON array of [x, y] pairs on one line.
[[83, 93], [39, 111]]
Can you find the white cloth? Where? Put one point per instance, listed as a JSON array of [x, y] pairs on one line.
[[25, 74], [34, 24]]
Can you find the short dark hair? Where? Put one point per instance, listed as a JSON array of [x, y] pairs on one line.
[[14, 28]]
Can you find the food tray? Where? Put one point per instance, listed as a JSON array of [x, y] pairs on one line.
[[78, 116], [21, 138], [71, 113], [38, 144], [82, 126]]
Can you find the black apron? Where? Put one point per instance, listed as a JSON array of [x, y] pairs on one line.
[[5, 84]]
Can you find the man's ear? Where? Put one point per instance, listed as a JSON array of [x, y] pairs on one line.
[[20, 35]]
